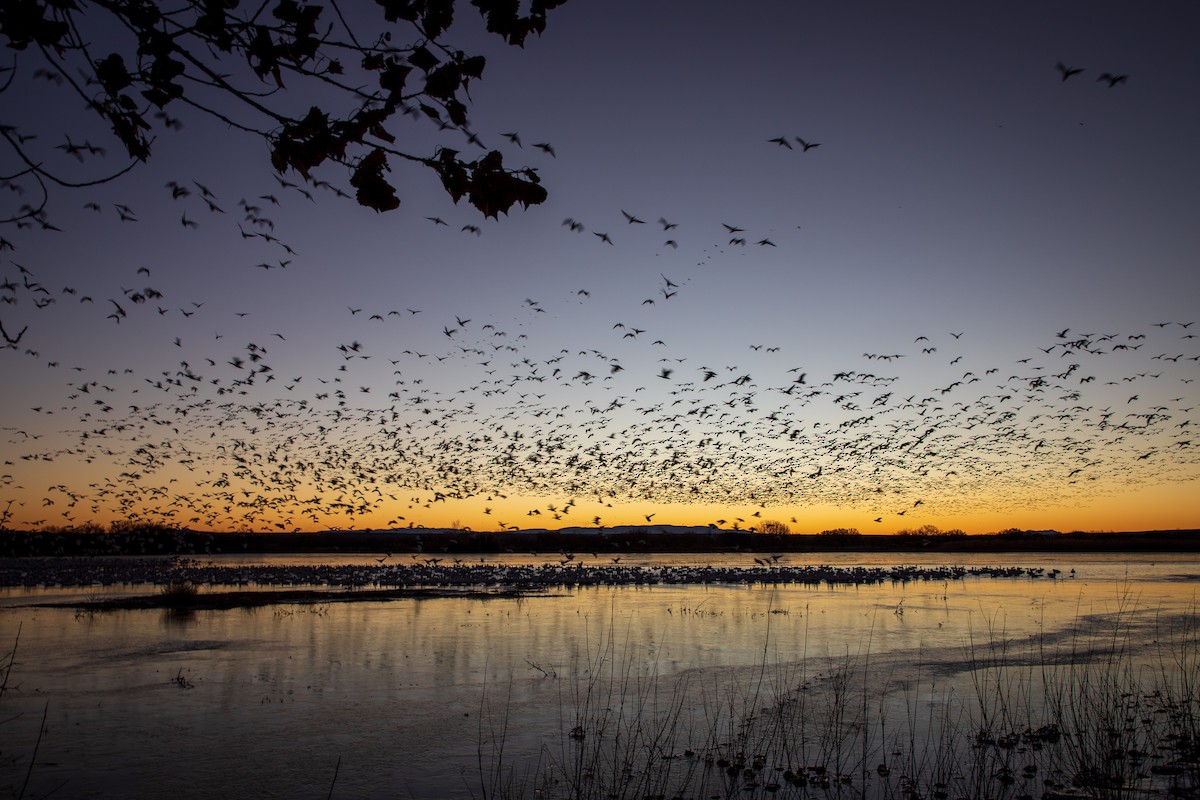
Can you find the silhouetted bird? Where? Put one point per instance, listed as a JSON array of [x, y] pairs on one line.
[[1067, 71]]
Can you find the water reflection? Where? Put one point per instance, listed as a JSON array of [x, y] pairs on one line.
[[154, 704]]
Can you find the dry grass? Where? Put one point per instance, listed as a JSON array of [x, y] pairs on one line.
[[179, 592], [1109, 712]]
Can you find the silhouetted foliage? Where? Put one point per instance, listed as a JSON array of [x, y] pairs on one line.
[[774, 526], [138, 538], [930, 531], [136, 63], [179, 592]]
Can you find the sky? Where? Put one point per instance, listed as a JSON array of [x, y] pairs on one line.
[[972, 302]]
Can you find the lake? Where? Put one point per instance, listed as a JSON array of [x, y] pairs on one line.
[[467, 697]]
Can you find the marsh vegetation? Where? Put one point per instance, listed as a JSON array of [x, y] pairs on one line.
[[1086, 714]]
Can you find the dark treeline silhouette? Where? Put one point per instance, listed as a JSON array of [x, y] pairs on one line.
[[135, 540]]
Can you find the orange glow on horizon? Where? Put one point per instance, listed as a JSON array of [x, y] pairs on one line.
[[1161, 507]]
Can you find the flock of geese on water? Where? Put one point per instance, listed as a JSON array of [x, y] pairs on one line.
[[498, 573], [229, 438]]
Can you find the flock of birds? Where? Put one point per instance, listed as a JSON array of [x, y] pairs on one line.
[[499, 572], [229, 438]]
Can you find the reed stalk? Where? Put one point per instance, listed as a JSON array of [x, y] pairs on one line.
[[1109, 712]]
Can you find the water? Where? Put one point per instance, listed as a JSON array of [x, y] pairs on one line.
[[399, 698]]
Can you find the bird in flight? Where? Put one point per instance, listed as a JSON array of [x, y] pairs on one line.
[[1111, 79], [807, 145], [1067, 71]]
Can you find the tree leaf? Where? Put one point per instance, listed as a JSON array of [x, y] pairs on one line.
[[422, 59], [373, 191], [112, 74]]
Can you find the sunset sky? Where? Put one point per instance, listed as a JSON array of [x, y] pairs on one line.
[[974, 303]]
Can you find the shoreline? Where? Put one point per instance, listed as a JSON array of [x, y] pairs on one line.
[[252, 598]]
